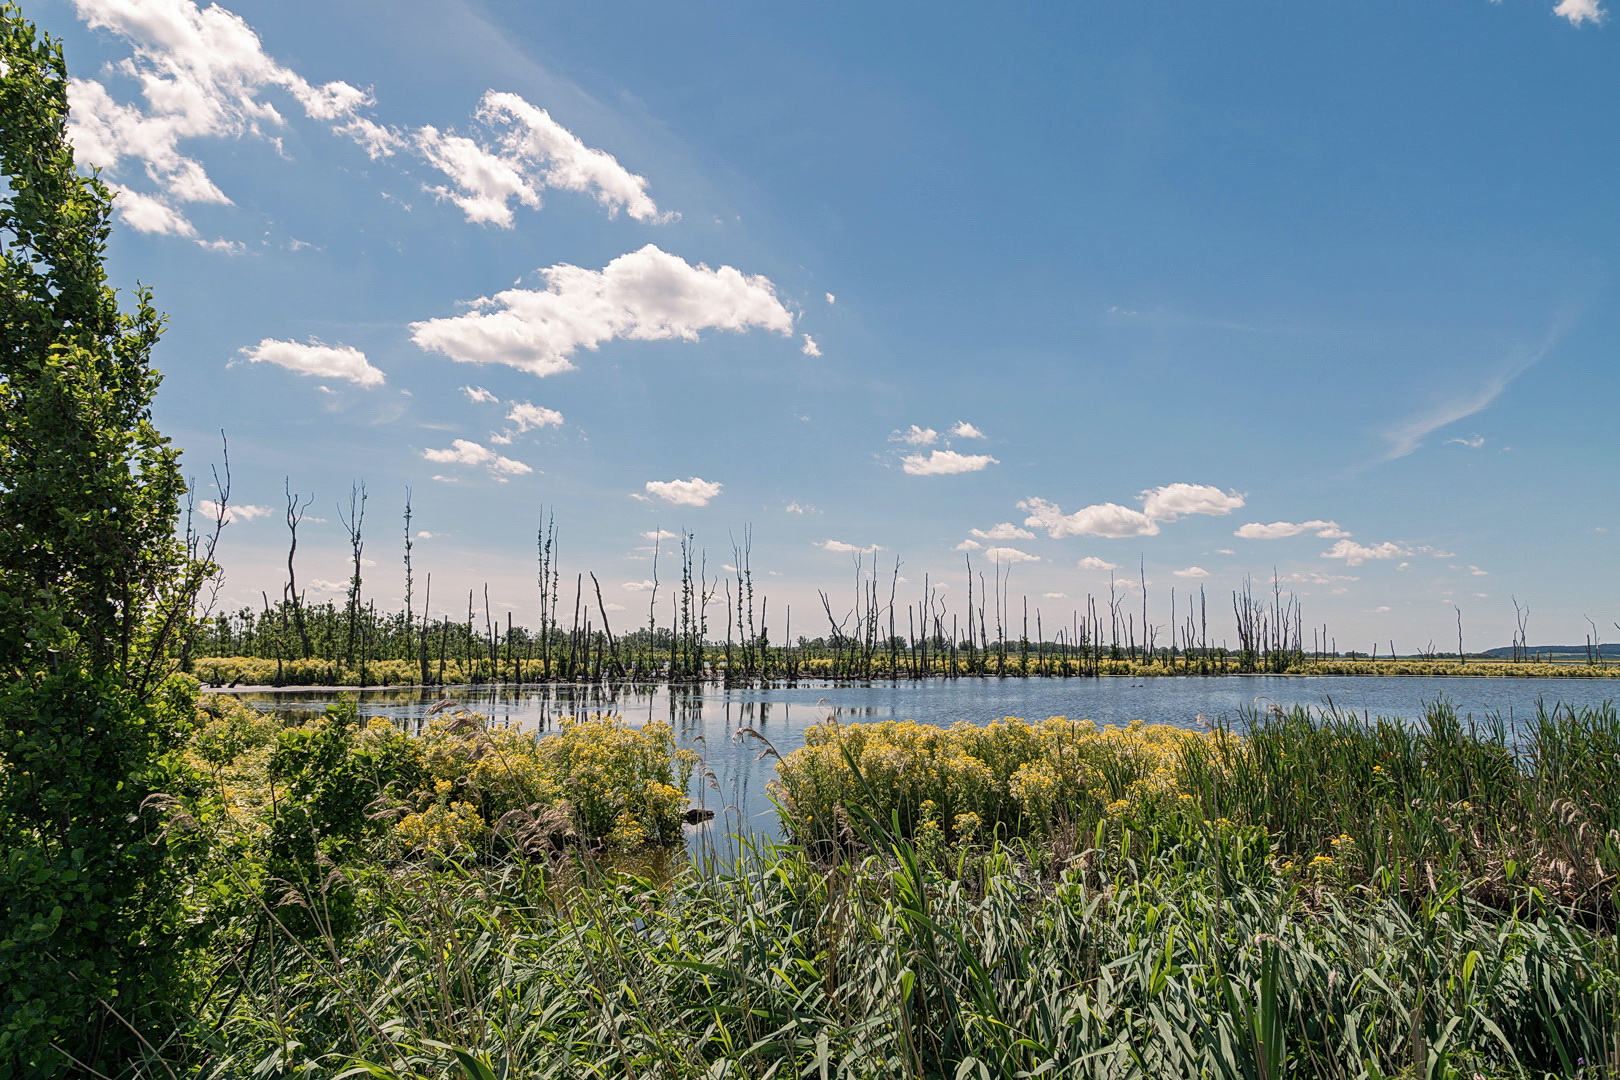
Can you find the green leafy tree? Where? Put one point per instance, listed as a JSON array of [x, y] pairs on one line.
[[95, 586]]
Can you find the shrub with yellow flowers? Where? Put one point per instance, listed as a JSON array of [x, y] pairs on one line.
[[597, 781], [494, 769], [612, 784], [1009, 773], [624, 784], [444, 828]]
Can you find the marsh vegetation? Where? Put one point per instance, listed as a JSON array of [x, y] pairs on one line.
[[1322, 896]]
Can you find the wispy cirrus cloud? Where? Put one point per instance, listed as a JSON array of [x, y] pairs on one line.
[[1407, 435]]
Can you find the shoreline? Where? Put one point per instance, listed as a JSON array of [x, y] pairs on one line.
[[290, 688]]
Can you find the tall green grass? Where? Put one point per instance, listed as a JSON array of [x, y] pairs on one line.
[[1139, 958], [1411, 806]]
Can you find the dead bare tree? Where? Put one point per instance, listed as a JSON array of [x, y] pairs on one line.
[[291, 598]]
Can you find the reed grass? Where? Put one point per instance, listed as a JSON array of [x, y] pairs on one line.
[[1136, 958]]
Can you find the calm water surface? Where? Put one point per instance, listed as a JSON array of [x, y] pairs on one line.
[[710, 719]]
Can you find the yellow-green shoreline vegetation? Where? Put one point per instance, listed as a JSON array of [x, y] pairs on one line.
[[253, 671]]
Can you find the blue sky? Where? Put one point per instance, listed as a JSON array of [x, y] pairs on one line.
[[1213, 289]]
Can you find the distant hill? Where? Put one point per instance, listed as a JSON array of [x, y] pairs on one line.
[[1555, 652]]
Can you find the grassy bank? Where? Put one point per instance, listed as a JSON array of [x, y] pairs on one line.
[[1321, 897]]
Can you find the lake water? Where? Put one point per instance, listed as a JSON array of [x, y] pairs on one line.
[[710, 718]]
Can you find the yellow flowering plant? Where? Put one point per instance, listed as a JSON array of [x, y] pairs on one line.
[[1009, 774]]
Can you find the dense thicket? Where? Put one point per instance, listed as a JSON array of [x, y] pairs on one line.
[[94, 588]]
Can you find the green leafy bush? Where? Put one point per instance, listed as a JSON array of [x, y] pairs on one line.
[[333, 782], [91, 919]]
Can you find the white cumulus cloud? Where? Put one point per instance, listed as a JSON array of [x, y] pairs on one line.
[[693, 492], [1174, 500], [525, 151], [945, 463], [527, 416], [843, 548], [640, 586], [1005, 531], [646, 295], [659, 534], [964, 430], [238, 512], [1580, 11], [1091, 562], [465, 452], [810, 346], [1160, 504], [201, 73], [479, 394], [315, 358], [147, 214], [1277, 530], [1191, 572], [1355, 554], [968, 545], [1103, 519], [916, 436], [1010, 555]]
